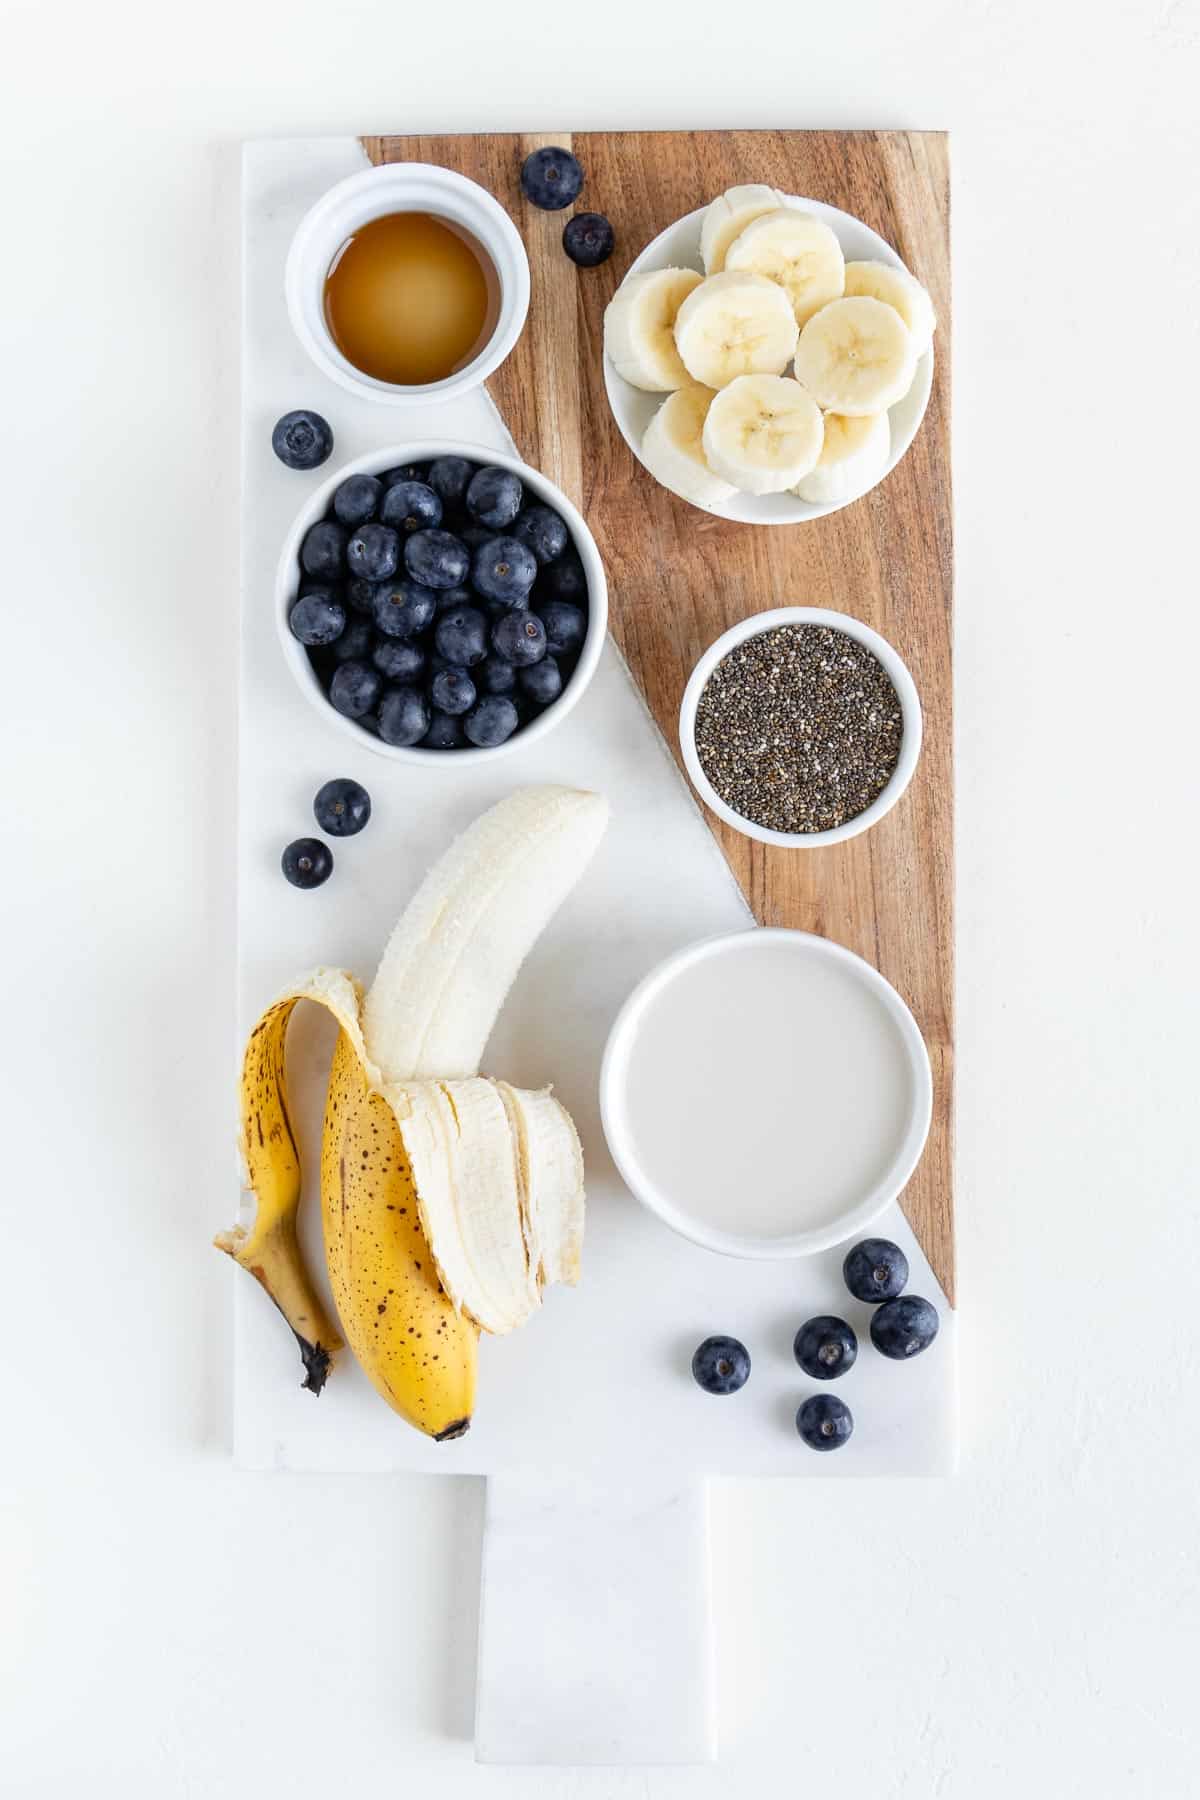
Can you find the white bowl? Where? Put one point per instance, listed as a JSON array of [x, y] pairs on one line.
[[678, 247], [287, 584], [906, 1142], [902, 681], [403, 187]]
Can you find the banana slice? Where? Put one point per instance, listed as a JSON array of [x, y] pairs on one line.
[[735, 324], [673, 450], [896, 287], [798, 251], [729, 214], [639, 325], [856, 356], [853, 457], [763, 433]]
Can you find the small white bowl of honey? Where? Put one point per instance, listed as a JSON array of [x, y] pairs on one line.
[[407, 283]]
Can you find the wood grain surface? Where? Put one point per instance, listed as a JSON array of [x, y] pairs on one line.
[[678, 577]]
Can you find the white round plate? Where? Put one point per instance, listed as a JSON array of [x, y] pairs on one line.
[[678, 247]]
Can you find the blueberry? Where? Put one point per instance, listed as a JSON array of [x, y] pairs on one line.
[[520, 638], [495, 676], [445, 732], [436, 558], [399, 660], [461, 636], [342, 807], [875, 1270], [494, 497], [316, 619], [825, 1347], [474, 535], [564, 579], [354, 645], [357, 499], [492, 722], [449, 598], [302, 440], [355, 689], [566, 626], [403, 716], [551, 178], [403, 608], [410, 506], [721, 1365], [452, 691], [588, 239], [504, 570], [406, 472], [904, 1327], [360, 594], [373, 552], [542, 682], [323, 551], [824, 1422], [448, 477], [307, 862], [542, 531]]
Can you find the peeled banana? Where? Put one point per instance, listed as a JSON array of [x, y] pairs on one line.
[[763, 433], [728, 215], [796, 250], [853, 456], [639, 328], [735, 323], [896, 287], [856, 356], [673, 448]]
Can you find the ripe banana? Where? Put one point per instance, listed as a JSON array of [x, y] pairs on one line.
[[735, 324], [763, 433], [639, 328], [853, 457], [896, 287], [728, 215], [856, 356], [673, 451], [798, 251]]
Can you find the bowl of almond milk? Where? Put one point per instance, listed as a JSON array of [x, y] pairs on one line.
[[766, 1093]]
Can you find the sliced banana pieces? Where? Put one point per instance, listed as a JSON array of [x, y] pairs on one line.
[[735, 324], [897, 288], [639, 328], [796, 250], [728, 215], [673, 448], [856, 356], [763, 433], [853, 456]]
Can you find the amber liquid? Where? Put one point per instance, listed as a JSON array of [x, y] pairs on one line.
[[411, 299]]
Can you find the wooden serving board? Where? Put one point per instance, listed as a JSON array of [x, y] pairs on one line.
[[679, 577]]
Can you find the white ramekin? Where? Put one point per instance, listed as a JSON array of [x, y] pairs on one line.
[[403, 187], [902, 681], [287, 584]]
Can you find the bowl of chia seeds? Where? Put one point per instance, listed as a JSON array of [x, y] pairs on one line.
[[800, 727]]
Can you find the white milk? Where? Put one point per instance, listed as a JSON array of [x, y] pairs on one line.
[[767, 1087]]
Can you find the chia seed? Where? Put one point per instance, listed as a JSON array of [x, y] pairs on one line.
[[799, 729]]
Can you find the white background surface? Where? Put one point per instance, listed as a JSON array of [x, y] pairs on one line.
[[169, 1628]]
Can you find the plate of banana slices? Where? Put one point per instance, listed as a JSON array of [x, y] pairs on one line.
[[768, 358]]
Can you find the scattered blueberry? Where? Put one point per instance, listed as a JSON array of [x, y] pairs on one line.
[[721, 1365], [503, 570], [354, 645], [520, 638], [565, 625], [355, 689], [317, 619], [588, 239], [357, 499], [452, 691], [824, 1422], [373, 552], [410, 506], [360, 594], [403, 608], [492, 722], [875, 1270], [551, 178], [403, 716], [302, 440], [542, 531], [495, 676], [448, 477], [437, 559], [307, 863], [398, 659], [323, 552], [461, 636], [904, 1327], [563, 580], [342, 807], [445, 732], [825, 1347], [542, 682], [494, 497]]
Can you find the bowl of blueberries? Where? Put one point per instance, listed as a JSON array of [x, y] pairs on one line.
[[441, 597]]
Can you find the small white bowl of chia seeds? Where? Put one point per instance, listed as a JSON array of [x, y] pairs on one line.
[[800, 727]]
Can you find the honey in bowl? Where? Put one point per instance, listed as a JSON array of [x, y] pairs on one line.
[[411, 299]]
